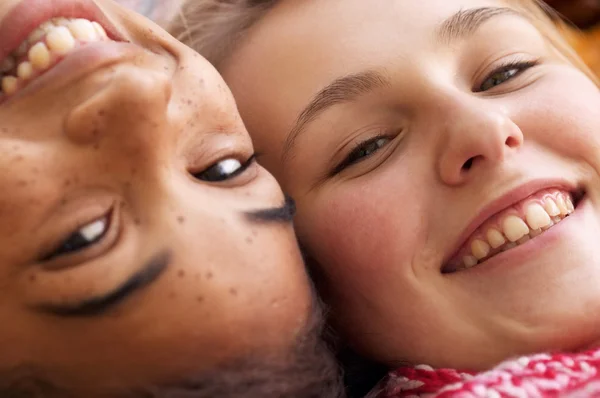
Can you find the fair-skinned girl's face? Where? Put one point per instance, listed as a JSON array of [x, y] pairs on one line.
[[434, 149], [141, 244]]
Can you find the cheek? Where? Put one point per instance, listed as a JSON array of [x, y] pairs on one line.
[[565, 116], [366, 230]]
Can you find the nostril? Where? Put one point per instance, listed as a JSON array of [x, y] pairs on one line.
[[468, 164], [512, 142]]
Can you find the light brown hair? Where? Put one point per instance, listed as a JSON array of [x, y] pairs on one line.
[[215, 28]]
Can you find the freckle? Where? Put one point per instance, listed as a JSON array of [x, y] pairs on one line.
[[32, 278], [137, 221], [181, 219], [22, 183], [199, 299], [19, 158], [233, 291], [35, 170], [172, 295], [101, 112], [181, 273], [63, 201], [95, 132], [249, 240], [67, 183], [96, 146], [254, 233], [209, 275]]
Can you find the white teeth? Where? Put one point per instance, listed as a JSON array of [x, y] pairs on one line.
[[60, 21], [82, 29], [9, 84], [25, 71], [469, 261], [536, 216], [480, 249], [36, 35], [514, 228], [570, 205], [495, 238], [60, 40], [39, 56], [560, 202], [551, 208], [100, 30], [94, 230]]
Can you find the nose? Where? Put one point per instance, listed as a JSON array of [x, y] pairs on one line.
[[128, 113], [476, 136]]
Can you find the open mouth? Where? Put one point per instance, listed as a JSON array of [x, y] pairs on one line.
[[44, 48], [514, 226]]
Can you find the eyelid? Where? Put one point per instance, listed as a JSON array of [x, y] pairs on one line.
[[503, 65], [392, 134], [109, 239]]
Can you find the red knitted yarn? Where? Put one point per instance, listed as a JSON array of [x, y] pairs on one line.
[[543, 375]]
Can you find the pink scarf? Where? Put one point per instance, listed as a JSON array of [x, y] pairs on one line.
[[542, 375]]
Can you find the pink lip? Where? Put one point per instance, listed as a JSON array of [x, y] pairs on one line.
[[27, 15], [512, 197]]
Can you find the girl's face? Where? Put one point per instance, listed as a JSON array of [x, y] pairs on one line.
[[435, 149], [141, 243]]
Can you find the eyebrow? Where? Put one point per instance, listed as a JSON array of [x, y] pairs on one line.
[[95, 306], [342, 90], [465, 22], [282, 215], [349, 88]]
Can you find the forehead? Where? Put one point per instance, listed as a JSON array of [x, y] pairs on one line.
[[328, 39]]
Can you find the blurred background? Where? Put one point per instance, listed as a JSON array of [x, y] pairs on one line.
[[583, 15]]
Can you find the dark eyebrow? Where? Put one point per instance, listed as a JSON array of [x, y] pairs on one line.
[[97, 305], [283, 214], [466, 22], [341, 90]]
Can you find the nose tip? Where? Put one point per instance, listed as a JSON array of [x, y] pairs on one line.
[[478, 144], [131, 98]]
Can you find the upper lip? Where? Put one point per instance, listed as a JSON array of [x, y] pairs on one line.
[[512, 197], [29, 14]]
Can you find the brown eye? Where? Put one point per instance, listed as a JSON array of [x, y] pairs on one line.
[[224, 170], [504, 74], [81, 239]]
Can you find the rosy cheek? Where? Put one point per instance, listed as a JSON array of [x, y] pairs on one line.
[[363, 234]]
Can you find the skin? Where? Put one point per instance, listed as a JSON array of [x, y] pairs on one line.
[[220, 276], [381, 229]]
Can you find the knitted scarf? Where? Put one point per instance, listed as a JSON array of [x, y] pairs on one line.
[[542, 375]]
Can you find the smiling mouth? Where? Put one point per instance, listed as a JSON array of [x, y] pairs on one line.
[[44, 48], [513, 227]]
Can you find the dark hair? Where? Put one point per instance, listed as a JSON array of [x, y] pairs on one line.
[[307, 370]]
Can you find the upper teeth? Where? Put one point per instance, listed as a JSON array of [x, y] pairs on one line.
[[516, 228], [45, 46]]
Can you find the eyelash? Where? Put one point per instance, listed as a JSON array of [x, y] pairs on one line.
[[83, 238], [240, 170], [518, 66], [349, 161]]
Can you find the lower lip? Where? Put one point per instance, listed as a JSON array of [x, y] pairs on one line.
[[78, 63], [531, 249]]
